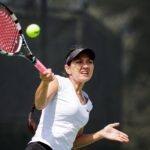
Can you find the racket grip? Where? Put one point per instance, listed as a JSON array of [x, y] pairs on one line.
[[39, 66]]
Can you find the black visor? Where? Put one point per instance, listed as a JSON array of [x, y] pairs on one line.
[[78, 51]]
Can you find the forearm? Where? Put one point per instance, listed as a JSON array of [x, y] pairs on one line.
[[108, 132], [87, 139], [41, 95]]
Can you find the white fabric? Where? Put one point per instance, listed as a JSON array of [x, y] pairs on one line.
[[63, 117]]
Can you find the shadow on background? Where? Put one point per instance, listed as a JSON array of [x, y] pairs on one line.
[[19, 79]]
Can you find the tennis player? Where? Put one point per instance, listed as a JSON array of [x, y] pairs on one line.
[[66, 107]]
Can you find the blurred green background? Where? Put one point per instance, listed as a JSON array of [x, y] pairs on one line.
[[118, 31]]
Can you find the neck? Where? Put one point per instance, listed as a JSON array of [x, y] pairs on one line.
[[78, 86]]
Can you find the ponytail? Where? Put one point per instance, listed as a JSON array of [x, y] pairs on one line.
[[31, 123]]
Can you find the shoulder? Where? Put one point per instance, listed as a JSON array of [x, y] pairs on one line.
[[60, 77], [62, 81]]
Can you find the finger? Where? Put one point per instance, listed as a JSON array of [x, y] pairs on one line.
[[116, 124], [121, 139], [124, 138], [47, 71], [51, 76], [123, 134]]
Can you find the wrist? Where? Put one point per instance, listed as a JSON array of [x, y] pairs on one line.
[[99, 135], [45, 82]]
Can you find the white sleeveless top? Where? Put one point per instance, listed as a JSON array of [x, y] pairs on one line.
[[61, 120]]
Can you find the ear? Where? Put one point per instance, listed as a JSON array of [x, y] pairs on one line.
[[67, 69]]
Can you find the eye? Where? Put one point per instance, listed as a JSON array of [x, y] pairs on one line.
[[78, 61], [90, 61]]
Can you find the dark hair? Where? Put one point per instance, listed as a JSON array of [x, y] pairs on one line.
[[31, 123]]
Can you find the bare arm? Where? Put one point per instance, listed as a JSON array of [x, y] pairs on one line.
[[46, 89], [108, 132]]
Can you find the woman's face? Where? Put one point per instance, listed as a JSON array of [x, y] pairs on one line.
[[81, 68]]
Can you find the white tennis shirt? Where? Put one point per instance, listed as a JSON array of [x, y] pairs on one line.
[[61, 120]]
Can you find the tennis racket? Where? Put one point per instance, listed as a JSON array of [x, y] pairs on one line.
[[12, 41]]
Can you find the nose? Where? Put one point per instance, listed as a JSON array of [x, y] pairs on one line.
[[85, 65]]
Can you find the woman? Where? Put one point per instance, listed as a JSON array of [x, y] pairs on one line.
[[66, 107]]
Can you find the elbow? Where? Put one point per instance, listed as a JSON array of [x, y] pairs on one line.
[[38, 106]]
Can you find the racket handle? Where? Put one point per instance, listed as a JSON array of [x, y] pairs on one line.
[[40, 66]]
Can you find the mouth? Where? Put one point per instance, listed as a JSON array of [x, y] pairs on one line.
[[84, 73]]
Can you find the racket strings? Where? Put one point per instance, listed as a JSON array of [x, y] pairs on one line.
[[9, 34]]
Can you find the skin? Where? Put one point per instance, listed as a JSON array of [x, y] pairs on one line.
[[79, 72]]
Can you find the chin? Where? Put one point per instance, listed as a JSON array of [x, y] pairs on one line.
[[85, 78]]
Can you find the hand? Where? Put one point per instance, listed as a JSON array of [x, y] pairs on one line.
[[47, 75], [109, 132]]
